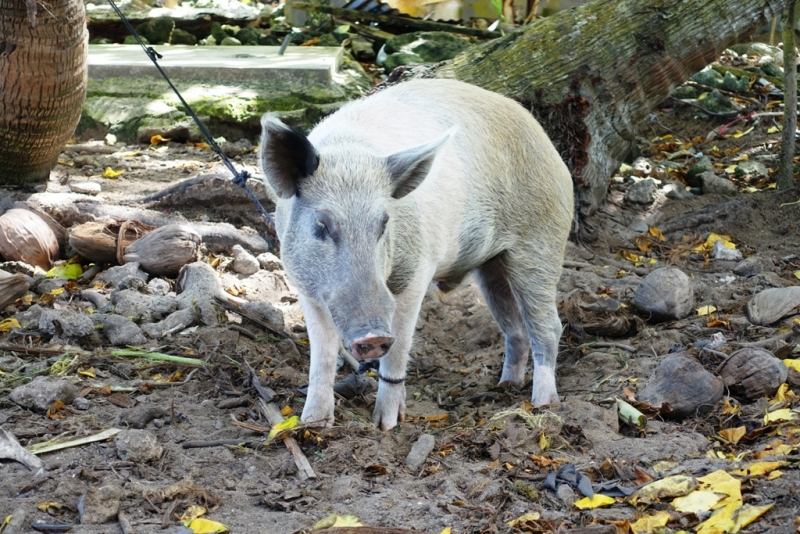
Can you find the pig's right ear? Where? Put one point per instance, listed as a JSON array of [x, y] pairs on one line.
[[286, 156]]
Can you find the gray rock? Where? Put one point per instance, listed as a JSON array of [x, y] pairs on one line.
[[422, 47], [115, 275], [97, 299], [9, 363], [158, 286], [713, 184], [173, 323], [100, 504], [85, 188], [566, 494], [419, 452], [752, 266], [140, 416], [267, 312], [269, 261], [147, 308], [122, 331], [40, 393], [198, 285], [30, 317], [362, 49], [81, 403], [47, 285], [140, 446], [642, 192], [66, 323], [754, 169], [676, 190], [771, 305], [721, 252], [244, 262], [230, 41], [665, 294]]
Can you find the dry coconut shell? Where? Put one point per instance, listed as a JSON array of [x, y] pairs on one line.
[[97, 241], [752, 373], [12, 287], [24, 236], [684, 384], [165, 250], [772, 305]]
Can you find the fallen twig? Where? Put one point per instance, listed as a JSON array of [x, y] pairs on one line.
[[218, 443], [766, 342], [577, 264], [157, 356], [609, 345], [273, 415]]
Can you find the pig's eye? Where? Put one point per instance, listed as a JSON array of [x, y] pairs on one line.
[[321, 230], [383, 224]]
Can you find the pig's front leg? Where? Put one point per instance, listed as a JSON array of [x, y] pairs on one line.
[[390, 403], [324, 340]]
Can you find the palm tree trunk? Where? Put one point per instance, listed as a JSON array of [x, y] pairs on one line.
[[43, 70]]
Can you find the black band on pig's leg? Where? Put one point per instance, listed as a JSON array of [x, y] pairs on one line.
[[392, 380]]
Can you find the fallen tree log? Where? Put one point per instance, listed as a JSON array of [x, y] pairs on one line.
[[592, 74]]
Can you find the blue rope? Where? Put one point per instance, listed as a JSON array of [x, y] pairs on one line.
[[239, 177]]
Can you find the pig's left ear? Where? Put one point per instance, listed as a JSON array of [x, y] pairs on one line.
[[410, 166], [286, 156]]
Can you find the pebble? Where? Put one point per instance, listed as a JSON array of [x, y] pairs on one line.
[[9, 363], [158, 286], [81, 403], [148, 308], [121, 331], [100, 504], [665, 294], [269, 261], [566, 494], [173, 323], [712, 184], [721, 252], [244, 262], [85, 188], [752, 266], [771, 305], [642, 192], [140, 446], [40, 393], [676, 190], [49, 284], [139, 416], [115, 275], [97, 299], [419, 452], [66, 323], [266, 311]]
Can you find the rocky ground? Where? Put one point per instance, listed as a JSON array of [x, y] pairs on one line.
[[471, 457]]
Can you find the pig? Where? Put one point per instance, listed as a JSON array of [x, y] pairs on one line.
[[428, 180]]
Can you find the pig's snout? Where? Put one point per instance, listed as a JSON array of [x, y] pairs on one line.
[[371, 346]]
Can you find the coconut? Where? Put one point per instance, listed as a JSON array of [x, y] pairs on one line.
[[165, 250], [24, 236]]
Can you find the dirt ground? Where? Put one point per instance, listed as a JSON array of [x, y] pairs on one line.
[[486, 468]]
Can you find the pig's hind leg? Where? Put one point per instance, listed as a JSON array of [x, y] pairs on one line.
[[324, 343], [533, 273], [493, 280]]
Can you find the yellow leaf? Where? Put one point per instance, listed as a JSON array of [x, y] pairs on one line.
[[739, 133], [784, 414], [192, 512], [750, 189], [544, 441], [90, 372], [758, 469], [597, 501], [697, 501], [775, 474], [337, 521], [730, 409], [7, 324], [792, 364], [774, 449], [705, 310], [206, 526], [524, 518], [723, 520], [655, 232], [733, 435], [46, 505], [713, 238], [70, 271], [111, 173], [648, 523], [57, 291], [750, 513], [781, 394], [284, 426], [157, 140], [741, 157], [286, 411], [671, 486], [796, 274], [730, 169], [773, 129], [773, 185], [446, 530]]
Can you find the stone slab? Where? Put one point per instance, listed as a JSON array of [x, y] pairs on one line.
[[223, 64]]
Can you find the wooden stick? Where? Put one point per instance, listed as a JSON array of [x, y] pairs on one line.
[[426, 25], [273, 415]]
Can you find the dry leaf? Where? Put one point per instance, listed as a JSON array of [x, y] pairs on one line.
[[733, 435], [597, 501]]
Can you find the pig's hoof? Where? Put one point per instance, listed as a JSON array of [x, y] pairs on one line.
[[390, 406], [540, 399], [510, 384], [317, 418]]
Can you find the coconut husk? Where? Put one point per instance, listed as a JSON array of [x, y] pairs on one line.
[[59, 231], [751, 373], [12, 287], [24, 236], [98, 241], [165, 250]]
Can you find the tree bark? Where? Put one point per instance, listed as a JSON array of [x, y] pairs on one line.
[[43, 72], [592, 74], [785, 176]]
